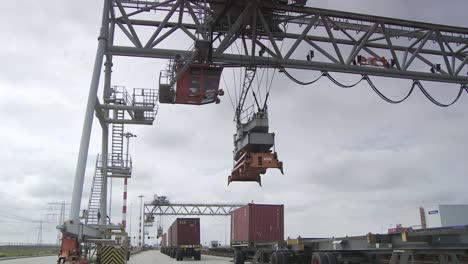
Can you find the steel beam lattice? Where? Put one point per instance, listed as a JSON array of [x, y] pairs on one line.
[[267, 34], [190, 209]]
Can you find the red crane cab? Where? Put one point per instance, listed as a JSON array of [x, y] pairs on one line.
[[198, 85]]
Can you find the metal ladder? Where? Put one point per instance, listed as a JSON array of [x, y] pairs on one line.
[[117, 139], [95, 196]]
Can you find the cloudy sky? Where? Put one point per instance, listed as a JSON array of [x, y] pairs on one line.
[[353, 163]]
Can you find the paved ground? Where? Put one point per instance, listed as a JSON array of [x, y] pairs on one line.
[[154, 256], [40, 260], [147, 257]]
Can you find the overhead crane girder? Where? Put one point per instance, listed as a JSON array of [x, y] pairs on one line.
[[336, 37], [190, 209]]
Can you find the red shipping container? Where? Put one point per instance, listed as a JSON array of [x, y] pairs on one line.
[[164, 240], [169, 237], [185, 231], [257, 223]]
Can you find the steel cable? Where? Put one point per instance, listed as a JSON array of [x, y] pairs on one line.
[[227, 90], [385, 98], [417, 83], [344, 85], [434, 101], [300, 82]]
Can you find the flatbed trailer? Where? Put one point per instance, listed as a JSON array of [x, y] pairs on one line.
[[441, 245], [254, 252]]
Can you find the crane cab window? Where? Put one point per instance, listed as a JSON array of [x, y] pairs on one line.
[[194, 81]]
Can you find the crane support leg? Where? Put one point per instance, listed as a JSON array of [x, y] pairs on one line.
[[70, 246], [88, 122]]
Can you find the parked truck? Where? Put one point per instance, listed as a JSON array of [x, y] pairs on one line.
[[257, 236], [183, 239], [256, 230]]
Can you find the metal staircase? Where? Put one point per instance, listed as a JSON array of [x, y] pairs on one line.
[[116, 158], [118, 164], [95, 196], [142, 108]]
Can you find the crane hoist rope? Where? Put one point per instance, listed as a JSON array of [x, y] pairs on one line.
[[253, 142]]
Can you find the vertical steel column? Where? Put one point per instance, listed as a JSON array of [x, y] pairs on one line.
[[105, 146], [105, 130], [88, 121]]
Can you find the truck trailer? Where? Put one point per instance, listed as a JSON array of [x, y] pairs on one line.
[[183, 239], [257, 236], [164, 243], [256, 229]]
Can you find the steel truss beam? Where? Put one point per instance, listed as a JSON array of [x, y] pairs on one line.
[[264, 34], [190, 209]]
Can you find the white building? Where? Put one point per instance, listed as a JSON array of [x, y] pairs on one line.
[[446, 215]]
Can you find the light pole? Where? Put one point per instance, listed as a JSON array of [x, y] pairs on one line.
[[140, 222], [130, 227], [128, 135]]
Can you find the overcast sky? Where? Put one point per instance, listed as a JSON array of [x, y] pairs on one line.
[[353, 163]]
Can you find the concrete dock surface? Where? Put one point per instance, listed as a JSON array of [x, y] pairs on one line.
[[154, 256]]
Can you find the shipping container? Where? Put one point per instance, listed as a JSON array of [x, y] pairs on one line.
[[257, 223], [185, 231], [164, 240], [169, 237], [183, 239]]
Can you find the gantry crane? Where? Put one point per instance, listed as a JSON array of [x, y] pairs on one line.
[[161, 206], [313, 39]]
